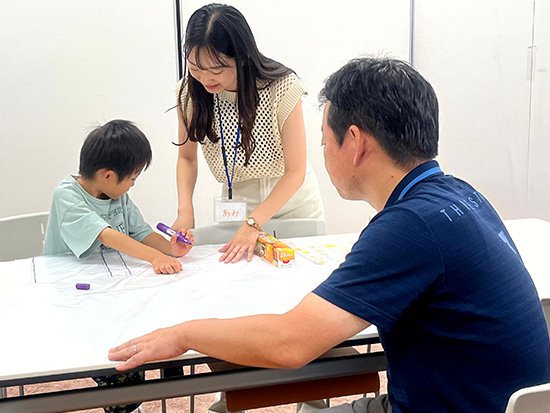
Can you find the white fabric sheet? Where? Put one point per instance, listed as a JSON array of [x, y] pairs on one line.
[[48, 326]]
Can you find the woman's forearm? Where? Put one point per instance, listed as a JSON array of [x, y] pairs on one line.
[[186, 179]]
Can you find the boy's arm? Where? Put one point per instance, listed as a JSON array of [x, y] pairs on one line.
[[162, 264], [172, 247]]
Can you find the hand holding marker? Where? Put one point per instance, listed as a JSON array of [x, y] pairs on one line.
[[161, 227], [169, 231]]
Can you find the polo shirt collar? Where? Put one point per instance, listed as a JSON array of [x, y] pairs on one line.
[[418, 174]]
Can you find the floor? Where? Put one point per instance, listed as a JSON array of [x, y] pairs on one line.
[[177, 405]]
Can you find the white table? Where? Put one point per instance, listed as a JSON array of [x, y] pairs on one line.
[[53, 331]]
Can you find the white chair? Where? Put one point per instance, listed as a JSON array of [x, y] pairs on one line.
[[545, 302], [22, 236], [280, 228], [534, 399]]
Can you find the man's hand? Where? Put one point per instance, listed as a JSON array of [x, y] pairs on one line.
[[161, 344]]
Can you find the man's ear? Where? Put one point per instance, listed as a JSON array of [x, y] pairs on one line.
[[360, 144]]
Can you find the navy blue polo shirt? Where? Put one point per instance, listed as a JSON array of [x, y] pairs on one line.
[[457, 312]]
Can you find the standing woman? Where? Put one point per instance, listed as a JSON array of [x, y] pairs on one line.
[[246, 111]]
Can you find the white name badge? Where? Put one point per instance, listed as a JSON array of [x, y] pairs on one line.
[[228, 210]]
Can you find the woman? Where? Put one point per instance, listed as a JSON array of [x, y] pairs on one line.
[[246, 111]]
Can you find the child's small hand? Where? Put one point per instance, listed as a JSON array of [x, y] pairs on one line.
[[163, 264], [179, 249]]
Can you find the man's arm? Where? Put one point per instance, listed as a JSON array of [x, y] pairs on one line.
[[289, 340]]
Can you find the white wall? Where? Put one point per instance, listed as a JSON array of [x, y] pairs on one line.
[[538, 174], [315, 38], [494, 120], [70, 65]]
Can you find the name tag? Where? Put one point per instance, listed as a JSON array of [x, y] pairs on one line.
[[228, 210]]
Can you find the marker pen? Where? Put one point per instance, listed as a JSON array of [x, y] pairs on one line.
[[169, 231]]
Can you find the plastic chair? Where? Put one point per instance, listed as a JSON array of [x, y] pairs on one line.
[[22, 236], [280, 228], [545, 302], [265, 396], [534, 399]]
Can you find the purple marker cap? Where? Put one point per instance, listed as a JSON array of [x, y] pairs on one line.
[[82, 286], [169, 231]]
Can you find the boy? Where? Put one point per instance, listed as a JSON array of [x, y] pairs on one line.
[[94, 209]]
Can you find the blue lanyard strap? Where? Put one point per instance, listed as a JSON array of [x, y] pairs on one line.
[[423, 175], [224, 155]]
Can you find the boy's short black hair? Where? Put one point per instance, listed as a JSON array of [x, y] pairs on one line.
[[119, 146]]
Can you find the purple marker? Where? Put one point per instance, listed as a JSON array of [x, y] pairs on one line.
[[82, 286], [169, 231]]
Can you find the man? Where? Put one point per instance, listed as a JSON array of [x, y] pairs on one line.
[[435, 270]]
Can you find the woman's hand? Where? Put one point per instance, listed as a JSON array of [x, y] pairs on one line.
[[161, 344], [184, 220], [242, 244]]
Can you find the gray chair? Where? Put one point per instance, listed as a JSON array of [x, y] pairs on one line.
[[545, 302], [534, 399], [280, 228], [22, 236]]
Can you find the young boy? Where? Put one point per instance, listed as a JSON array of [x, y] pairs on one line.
[[94, 209]]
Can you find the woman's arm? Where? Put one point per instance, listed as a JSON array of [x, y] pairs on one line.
[[295, 153], [186, 177]]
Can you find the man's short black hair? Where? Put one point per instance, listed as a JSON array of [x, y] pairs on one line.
[[390, 100], [119, 146]]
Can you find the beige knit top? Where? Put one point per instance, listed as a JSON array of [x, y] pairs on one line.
[[276, 102]]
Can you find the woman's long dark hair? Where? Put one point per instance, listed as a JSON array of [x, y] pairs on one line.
[[220, 29]]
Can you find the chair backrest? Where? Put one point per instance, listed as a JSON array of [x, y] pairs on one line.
[[545, 302], [22, 236], [534, 399], [297, 227], [281, 228]]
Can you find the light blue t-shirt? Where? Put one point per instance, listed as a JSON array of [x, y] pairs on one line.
[[77, 218]]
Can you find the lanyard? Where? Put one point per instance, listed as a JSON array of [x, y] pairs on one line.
[[422, 176], [224, 155]]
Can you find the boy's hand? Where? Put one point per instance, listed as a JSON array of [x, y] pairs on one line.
[[179, 249], [163, 264]]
